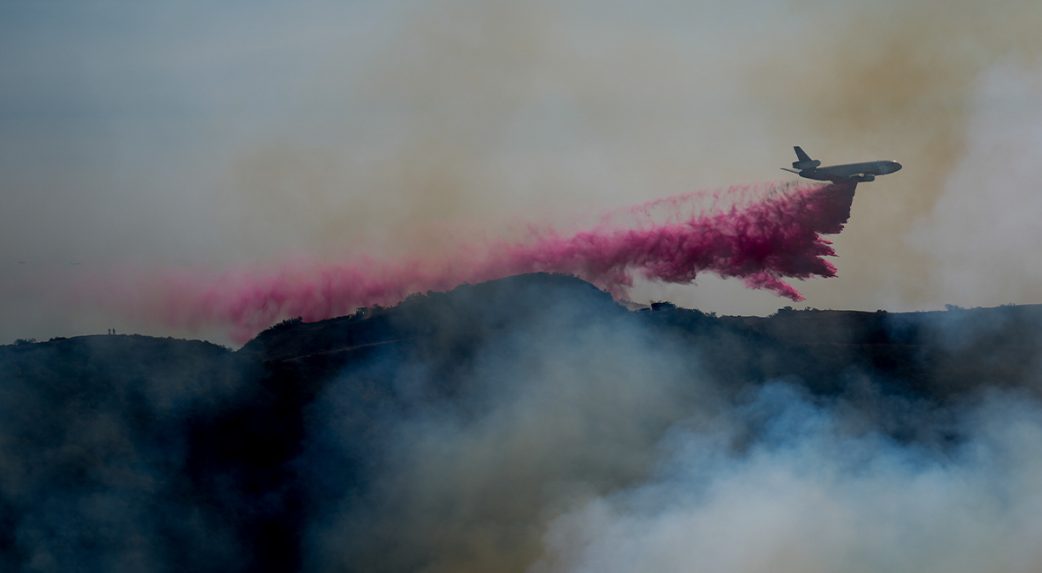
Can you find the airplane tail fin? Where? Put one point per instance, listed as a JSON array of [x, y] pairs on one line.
[[803, 160]]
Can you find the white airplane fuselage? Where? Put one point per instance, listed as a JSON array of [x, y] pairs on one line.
[[847, 172]]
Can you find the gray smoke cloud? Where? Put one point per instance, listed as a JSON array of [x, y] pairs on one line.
[[982, 246], [535, 423], [808, 496], [579, 445]]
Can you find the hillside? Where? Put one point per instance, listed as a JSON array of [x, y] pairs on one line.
[[315, 445]]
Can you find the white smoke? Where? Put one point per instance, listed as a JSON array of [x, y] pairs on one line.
[[808, 498], [984, 231], [554, 412]]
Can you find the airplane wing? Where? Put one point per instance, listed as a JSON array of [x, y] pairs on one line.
[[796, 171]]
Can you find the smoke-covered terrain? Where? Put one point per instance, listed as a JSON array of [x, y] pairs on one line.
[[532, 423]]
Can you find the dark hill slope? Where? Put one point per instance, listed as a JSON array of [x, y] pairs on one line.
[[137, 453], [934, 353]]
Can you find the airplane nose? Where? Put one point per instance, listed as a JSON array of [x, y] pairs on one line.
[[895, 166]]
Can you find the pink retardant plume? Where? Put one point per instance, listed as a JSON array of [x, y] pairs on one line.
[[762, 235]]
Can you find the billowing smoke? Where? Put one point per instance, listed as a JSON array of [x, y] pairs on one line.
[[806, 494], [548, 414], [762, 235], [533, 424], [971, 233], [571, 443]]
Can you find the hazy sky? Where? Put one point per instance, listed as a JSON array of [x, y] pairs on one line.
[[138, 136]]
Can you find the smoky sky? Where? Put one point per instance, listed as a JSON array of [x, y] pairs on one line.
[[147, 137]]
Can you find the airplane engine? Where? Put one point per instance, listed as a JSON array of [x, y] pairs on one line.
[[865, 177], [806, 164]]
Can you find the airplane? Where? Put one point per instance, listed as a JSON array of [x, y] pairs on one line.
[[856, 172]]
